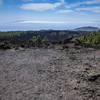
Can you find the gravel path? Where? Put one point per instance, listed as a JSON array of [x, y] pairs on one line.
[[47, 74]]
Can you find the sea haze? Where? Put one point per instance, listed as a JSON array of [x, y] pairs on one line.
[[35, 26], [41, 25]]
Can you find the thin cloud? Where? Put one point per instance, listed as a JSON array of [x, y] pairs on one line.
[[27, 0], [82, 3], [41, 6], [95, 9], [62, 1], [65, 11], [39, 22]]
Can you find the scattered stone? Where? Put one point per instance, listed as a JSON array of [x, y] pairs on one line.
[[94, 77]]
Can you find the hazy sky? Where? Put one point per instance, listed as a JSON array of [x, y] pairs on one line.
[[50, 12]]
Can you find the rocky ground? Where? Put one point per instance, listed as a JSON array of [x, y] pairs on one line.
[[48, 74]]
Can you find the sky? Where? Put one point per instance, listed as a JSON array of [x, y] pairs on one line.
[[48, 14]]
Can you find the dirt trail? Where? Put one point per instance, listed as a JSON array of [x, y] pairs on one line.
[[47, 74]]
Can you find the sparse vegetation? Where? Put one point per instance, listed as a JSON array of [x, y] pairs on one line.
[[36, 38], [93, 38]]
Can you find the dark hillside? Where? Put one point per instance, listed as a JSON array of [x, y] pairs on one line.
[[36, 38], [26, 35]]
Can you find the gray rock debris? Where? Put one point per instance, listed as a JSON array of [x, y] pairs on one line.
[[47, 74]]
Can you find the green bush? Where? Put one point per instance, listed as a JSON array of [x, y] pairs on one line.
[[45, 39]]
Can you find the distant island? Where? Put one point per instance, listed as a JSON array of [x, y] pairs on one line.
[[88, 28]]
